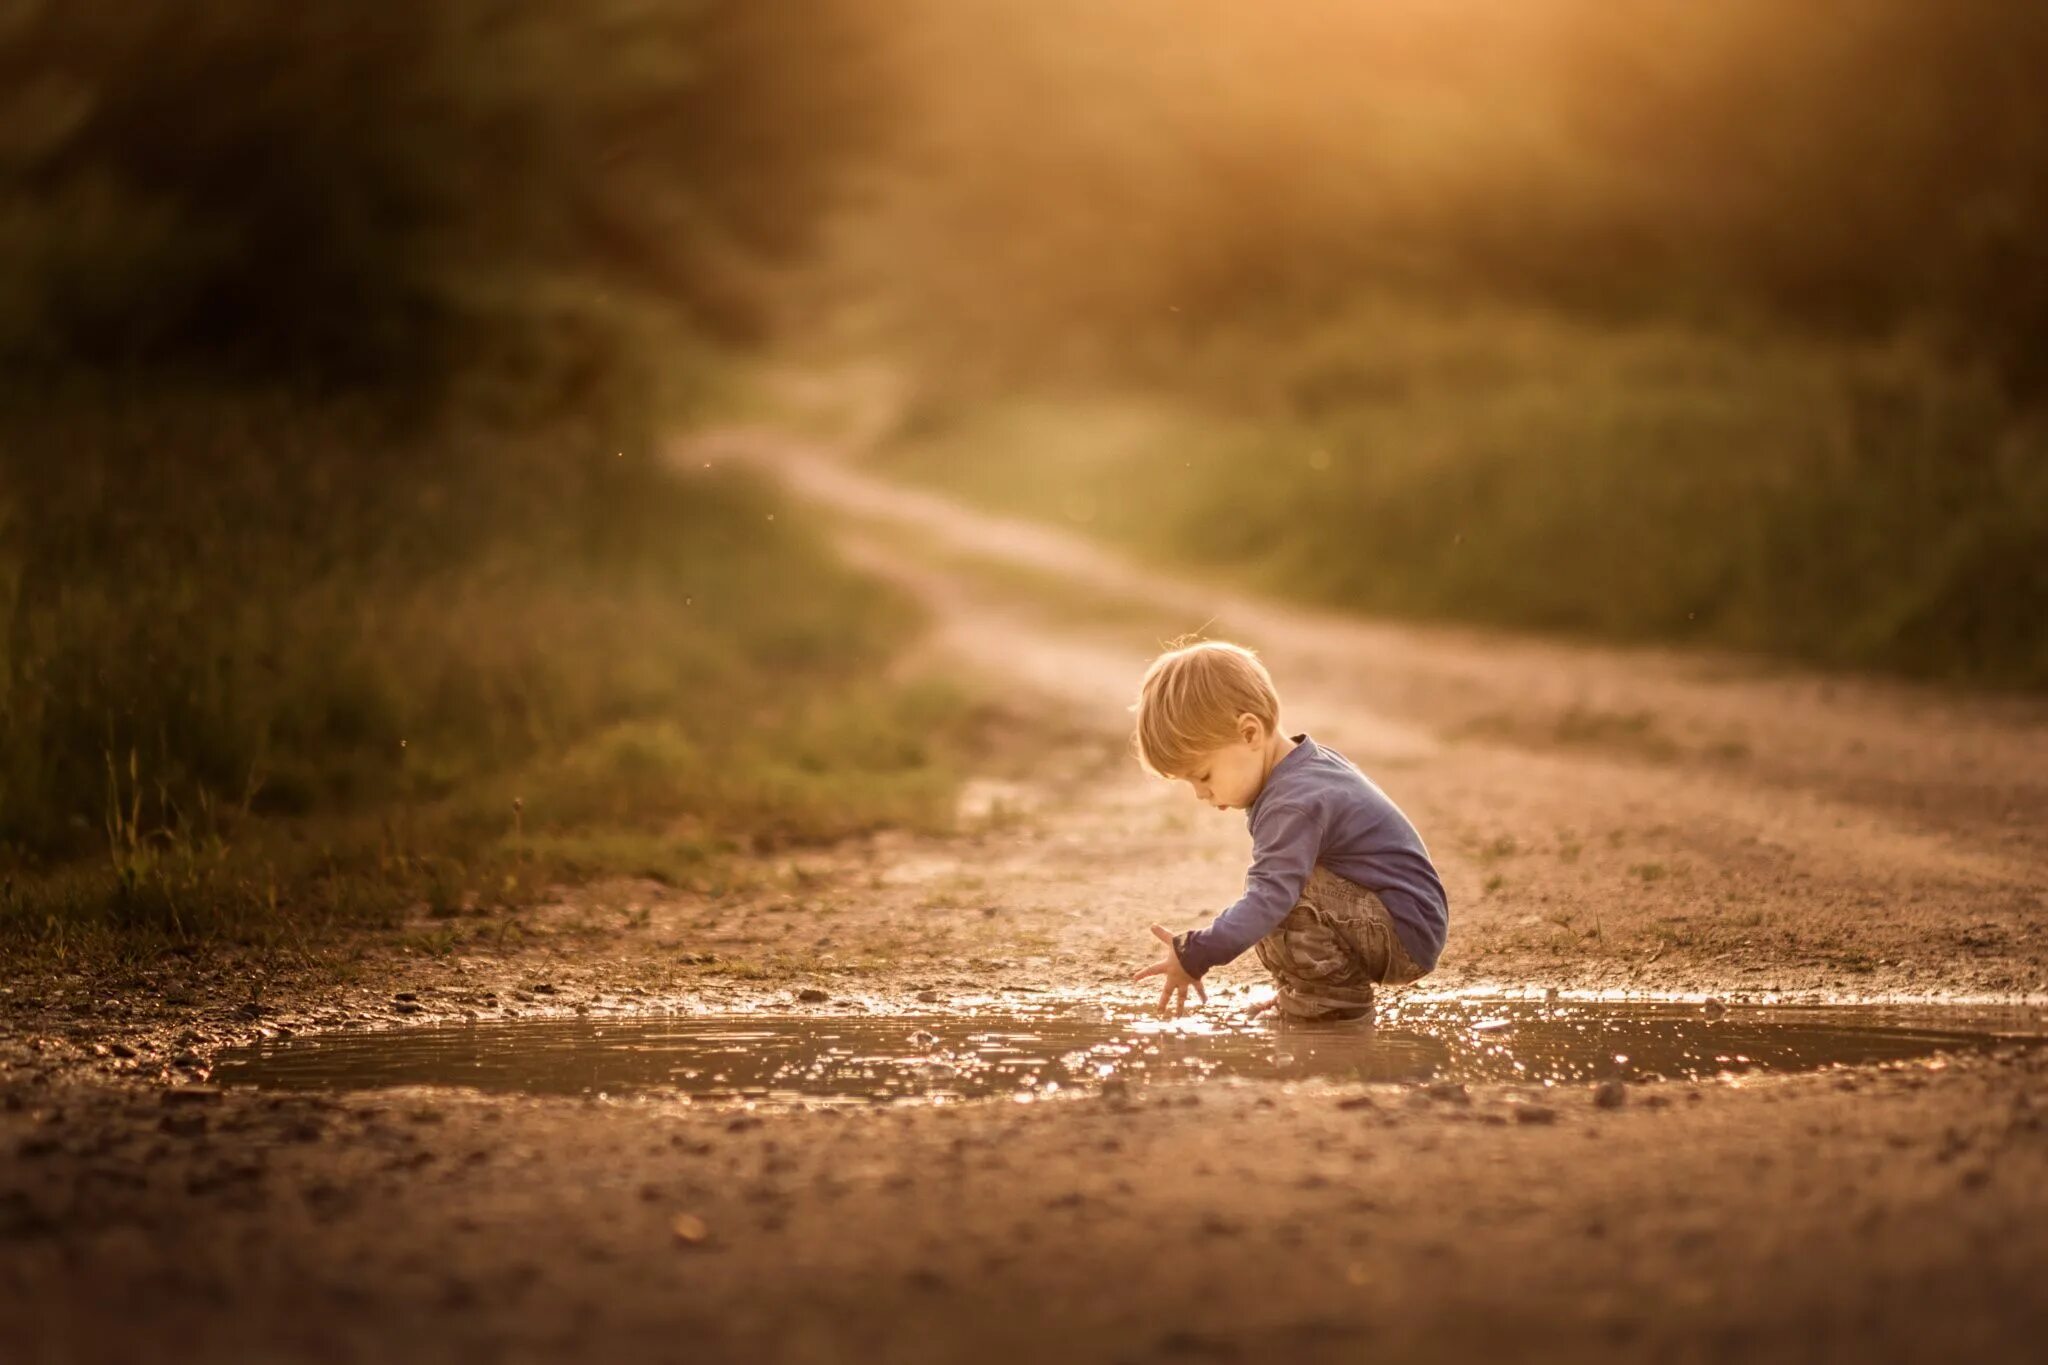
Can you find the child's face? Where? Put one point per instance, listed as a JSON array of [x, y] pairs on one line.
[[1232, 775]]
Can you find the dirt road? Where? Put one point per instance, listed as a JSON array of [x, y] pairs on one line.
[[1606, 820], [1594, 809]]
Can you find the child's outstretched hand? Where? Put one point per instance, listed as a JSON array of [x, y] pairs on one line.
[[1176, 983]]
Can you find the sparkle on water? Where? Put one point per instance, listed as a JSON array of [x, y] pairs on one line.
[[1053, 1049]]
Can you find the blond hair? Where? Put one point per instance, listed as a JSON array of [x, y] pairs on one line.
[[1191, 698]]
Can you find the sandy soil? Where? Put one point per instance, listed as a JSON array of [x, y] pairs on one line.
[[1606, 821]]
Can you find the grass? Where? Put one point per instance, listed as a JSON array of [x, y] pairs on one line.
[[269, 681], [1852, 506]]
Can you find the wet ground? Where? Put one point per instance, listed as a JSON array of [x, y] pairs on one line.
[[1063, 1049]]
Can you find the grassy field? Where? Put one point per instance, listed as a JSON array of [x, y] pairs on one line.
[[268, 678], [1851, 506]]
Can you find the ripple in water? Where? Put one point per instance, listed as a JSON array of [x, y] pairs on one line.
[[1055, 1049]]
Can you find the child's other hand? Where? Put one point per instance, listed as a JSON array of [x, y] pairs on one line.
[[1176, 983]]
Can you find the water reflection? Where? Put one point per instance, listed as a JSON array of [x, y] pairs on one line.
[[1032, 1052]]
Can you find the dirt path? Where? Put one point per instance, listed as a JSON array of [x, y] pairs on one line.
[[1606, 820]]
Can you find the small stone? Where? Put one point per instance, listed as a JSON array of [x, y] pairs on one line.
[[406, 997], [1358, 1102], [1714, 1007], [1534, 1113], [1610, 1095], [811, 995], [190, 1061], [543, 988], [121, 1050], [407, 1007], [690, 1230], [929, 997], [1450, 1092]]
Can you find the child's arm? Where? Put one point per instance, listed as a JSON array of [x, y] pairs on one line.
[[1285, 843]]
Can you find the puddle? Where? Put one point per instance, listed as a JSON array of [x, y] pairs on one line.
[[1054, 1049]]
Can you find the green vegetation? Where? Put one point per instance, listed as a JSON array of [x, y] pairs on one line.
[[267, 682], [338, 570], [1855, 506], [451, 201]]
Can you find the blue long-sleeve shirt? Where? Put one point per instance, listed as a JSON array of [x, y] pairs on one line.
[[1317, 807]]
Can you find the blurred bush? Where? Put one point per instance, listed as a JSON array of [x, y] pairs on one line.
[[337, 343], [1857, 507], [262, 654], [374, 193], [1081, 176]]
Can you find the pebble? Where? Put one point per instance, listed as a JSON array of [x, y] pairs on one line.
[[811, 995], [929, 997], [1534, 1113], [1714, 1007], [690, 1230], [1610, 1095]]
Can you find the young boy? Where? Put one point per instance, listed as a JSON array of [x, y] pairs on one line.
[[1341, 894]]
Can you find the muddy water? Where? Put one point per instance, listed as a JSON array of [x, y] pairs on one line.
[[1060, 1048]]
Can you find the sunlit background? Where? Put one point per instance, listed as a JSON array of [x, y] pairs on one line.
[[340, 344]]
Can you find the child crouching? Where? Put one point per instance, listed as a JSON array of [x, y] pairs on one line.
[[1341, 895]]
